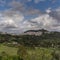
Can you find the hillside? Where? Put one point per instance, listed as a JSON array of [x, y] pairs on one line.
[[44, 39], [36, 32]]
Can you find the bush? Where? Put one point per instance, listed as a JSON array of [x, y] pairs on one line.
[[22, 52]]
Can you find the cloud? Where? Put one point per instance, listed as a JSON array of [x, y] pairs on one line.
[[44, 21], [18, 6], [14, 15], [2, 2], [55, 14], [14, 21], [10, 22], [14, 18], [29, 0], [49, 20], [32, 12], [37, 1], [53, 1], [28, 25], [48, 10]]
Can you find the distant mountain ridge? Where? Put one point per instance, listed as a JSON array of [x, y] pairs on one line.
[[36, 32], [33, 32], [41, 30]]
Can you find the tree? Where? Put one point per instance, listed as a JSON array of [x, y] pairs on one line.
[[22, 53]]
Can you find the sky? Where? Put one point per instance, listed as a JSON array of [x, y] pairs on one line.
[[17, 16]]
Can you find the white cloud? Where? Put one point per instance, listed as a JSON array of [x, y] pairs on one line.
[[2, 2], [53, 1], [37, 1], [55, 14], [13, 19], [15, 22], [28, 25], [44, 21], [29, 0], [17, 6], [14, 15], [9, 23], [48, 10]]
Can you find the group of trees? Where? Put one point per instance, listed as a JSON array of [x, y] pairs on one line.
[[44, 40]]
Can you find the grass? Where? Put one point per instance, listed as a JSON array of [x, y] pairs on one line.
[[33, 54], [8, 50], [40, 53]]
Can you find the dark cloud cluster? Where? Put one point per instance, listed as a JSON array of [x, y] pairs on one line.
[[55, 14]]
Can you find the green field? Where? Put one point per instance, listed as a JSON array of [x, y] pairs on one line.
[[8, 50], [33, 54]]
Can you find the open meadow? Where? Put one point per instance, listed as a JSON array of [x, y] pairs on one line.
[[37, 53]]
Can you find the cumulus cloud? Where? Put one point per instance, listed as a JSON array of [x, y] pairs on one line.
[[55, 14], [9, 22], [42, 21], [14, 15], [22, 7], [48, 20], [37, 1], [32, 12], [28, 25], [2, 2], [45, 21], [48, 10], [53, 1], [17, 6], [13, 19]]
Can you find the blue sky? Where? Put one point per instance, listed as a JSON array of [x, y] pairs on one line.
[[41, 4], [21, 15]]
